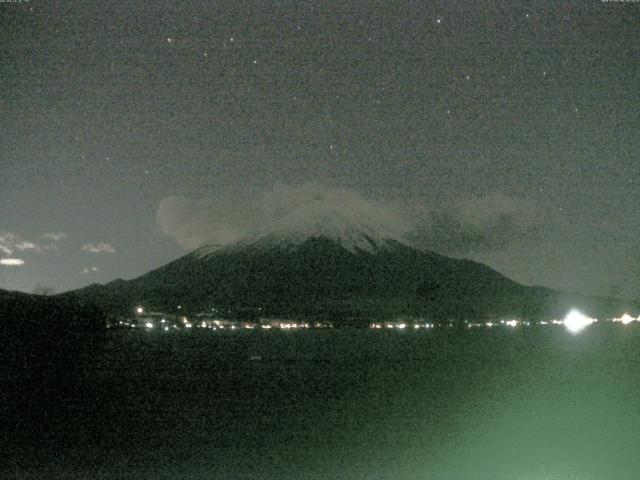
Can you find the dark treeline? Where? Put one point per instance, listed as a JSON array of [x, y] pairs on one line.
[[45, 342]]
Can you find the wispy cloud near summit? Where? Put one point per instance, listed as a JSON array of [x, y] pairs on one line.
[[474, 224], [466, 226], [197, 222]]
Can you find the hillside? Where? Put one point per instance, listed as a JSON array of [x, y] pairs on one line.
[[323, 261]]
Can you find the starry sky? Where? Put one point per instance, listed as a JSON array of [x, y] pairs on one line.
[[506, 132]]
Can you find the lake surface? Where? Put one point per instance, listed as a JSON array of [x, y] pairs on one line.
[[522, 403]]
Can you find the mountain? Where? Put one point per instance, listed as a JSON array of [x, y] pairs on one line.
[[30, 316], [43, 337], [325, 260]]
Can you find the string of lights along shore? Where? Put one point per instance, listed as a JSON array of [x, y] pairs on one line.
[[575, 322]]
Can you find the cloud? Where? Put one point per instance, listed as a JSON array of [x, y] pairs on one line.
[[56, 237], [88, 270], [27, 245], [98, 248], [11, 242], [477, 224], [196, 222], [283, 199], [11, 262], [467, 226]]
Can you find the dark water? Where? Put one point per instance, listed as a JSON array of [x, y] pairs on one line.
[[519, 404]]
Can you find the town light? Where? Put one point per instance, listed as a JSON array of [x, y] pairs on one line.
[[576, 321], [626, 319]]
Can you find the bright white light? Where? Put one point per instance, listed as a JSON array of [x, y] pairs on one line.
[[512, 323], [489, 324], [11, 262], [148, 325], [140, 310], [626, 319], [402, 326], [188, 325], [576, 321]]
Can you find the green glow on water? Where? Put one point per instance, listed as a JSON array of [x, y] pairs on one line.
[[494, 404]]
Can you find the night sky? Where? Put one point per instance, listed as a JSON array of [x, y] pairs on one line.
[[505, 132]]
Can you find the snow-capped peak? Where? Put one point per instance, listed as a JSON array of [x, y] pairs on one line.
[[353, 229]]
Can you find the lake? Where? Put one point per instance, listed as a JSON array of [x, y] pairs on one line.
[[526, 403]]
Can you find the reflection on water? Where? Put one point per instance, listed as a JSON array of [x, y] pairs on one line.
[[509, 403]]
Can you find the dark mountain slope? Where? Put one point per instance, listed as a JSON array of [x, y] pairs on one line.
[[319, 277], [328, 260]]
